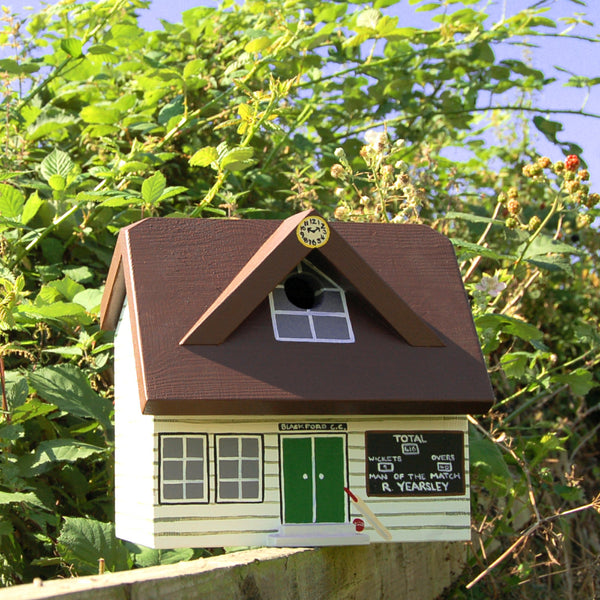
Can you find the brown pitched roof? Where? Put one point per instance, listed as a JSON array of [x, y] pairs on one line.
[[204, 342]]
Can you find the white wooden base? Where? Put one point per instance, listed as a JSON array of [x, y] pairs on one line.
[[317, 534]]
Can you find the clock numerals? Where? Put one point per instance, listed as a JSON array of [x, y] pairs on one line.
[[313, 232]]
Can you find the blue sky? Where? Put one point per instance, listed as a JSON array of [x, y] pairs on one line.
[[578, 57]]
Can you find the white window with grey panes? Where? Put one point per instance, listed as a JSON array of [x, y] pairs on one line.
[[308, 306], [183, 468], [239, 468]]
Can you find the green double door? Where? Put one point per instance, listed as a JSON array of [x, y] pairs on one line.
[[314, 476]]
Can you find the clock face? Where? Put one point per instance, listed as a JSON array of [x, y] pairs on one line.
[[313, 232]]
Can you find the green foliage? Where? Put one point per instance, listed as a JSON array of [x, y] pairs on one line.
[[83, 542], [259, 109]]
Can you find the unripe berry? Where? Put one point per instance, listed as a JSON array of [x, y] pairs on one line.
[[532, 170], [544, 162], [387, 171], [572, 186], [513, 207], [584, 221], [534, 223], [337, 171], [592, 200], [341, 212]]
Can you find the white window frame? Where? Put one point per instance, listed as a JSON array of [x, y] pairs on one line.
[[240, 479], [311, 313], [184, 460]]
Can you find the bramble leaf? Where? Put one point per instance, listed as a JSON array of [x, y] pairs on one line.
[[67, 387], [72, 46], [11, 201], [83, 542], [153, 188], [56, 163], [204, 157]]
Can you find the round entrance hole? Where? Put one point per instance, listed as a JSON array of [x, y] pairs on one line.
[[303, 290]]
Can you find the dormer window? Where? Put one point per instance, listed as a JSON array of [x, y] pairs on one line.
[[308, 306]]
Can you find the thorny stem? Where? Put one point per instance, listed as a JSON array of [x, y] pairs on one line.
[[517, 459], [474, 109], [44, 233], [541, 226], [3, 384], [526, 390], [221, 177], [520, 292], [523, 537], [480, 241]]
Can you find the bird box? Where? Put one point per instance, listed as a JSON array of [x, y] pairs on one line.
[[290, 383]]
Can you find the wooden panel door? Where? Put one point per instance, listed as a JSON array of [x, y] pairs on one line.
[[314, 475]]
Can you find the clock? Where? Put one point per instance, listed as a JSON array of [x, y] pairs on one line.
[[313, 232]]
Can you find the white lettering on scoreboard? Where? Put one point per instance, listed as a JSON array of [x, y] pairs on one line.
[[418, 463]]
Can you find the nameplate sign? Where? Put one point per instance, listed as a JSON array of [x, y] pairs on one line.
[[415, 463], [313, 427]]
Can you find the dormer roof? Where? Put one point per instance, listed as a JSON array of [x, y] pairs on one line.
[[275, 258]]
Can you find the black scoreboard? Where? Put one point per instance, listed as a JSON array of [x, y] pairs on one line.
[[415, 463]]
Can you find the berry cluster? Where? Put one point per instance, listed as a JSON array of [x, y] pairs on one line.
[[389, 193], [574, 189]]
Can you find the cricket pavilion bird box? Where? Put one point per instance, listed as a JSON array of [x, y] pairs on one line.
[[290, 383]]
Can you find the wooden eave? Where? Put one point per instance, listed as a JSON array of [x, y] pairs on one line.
[[114, 296], [280, 253]]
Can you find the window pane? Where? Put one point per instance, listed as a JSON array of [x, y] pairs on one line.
[[293, 326], [250, 490], [250, 469], [228, 469], [249, 447], [195, 447], [280, 301], [331, 328], [172, 447], [229, 490], [228, 446], [194, 470], [331, 302], [194, 491], [173, 491], [173, 470]]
